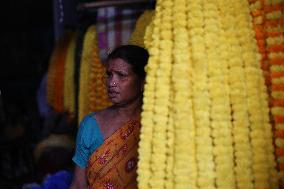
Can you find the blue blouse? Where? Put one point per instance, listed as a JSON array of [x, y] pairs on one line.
[[89, 138]]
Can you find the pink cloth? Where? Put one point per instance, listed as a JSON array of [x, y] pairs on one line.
[[114, 27]]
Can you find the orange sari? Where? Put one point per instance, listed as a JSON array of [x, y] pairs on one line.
[[113, 165]]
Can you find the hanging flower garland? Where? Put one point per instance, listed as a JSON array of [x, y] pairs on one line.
[[162, 102], [258, 15], [220, 112], [97, 93], [137, 37], [185, 166], [86, 60], [146, 133], [201, 98], [59, 78], [246, 119], [275, 42], [152, 165], [92, 92], [238, 97], [263, 163], [216, 130], [55, 82], [69, 88]]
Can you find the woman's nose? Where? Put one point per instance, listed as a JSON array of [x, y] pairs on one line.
[[112, 81]]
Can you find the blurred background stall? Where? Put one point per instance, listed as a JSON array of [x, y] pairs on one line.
[[52, 74]]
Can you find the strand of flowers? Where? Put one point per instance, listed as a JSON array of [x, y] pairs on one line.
[[261, 137], [84, 76], [257, 12], [151, 41], [259, 18], [137, 37], [164, 78], [220, 112], [69, 88], [185, 165], [272, 15], [201, 98], [257, 117], [59, 77], [238, 95], [274, 30], [162, 95], [147, 40], [97, 93], [169, 183], [56, 73]]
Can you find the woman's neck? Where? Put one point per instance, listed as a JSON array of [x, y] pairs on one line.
[[130, 110]]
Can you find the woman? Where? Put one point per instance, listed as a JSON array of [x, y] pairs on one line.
[[107, 141]]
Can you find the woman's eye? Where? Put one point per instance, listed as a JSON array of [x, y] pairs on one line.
[[122, 75]]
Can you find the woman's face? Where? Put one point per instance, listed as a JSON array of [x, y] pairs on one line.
[[123, 85]]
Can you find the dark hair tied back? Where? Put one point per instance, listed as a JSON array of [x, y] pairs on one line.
[[133, 55]]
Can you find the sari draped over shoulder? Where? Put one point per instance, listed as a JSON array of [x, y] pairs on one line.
[[113, 165]]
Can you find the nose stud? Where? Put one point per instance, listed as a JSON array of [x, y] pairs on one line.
[[114, 83]]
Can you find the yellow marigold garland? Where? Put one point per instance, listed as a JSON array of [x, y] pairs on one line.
[[208, 51], [162, 99], [137, 37], [92, 91], [145, 145], [97, 93], [220, 113], [157, 88], [185, 167], [201, 99], [261, 137], [145, 149], [238, 97], [86, 61], [69, 88]]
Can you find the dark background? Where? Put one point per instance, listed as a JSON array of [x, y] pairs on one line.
[[29, 30], [28, 33]]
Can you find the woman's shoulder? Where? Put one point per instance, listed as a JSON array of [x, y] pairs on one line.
[[89, 123], [89, 129], [88, 118]]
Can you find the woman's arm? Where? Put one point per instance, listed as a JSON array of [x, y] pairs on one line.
[[80, 179]]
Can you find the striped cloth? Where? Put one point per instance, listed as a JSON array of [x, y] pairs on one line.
[[114, 27]]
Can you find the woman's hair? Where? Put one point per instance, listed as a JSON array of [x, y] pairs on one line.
[[133, 55]]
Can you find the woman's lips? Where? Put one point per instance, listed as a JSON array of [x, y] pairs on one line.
[[112, 93]]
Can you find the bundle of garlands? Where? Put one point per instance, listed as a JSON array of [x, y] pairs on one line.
[[92, 90], [268, 21], [205, 119], [61, 76], [137, 36], [59, 63]]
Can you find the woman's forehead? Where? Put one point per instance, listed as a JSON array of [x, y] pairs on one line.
[[118, 64]]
